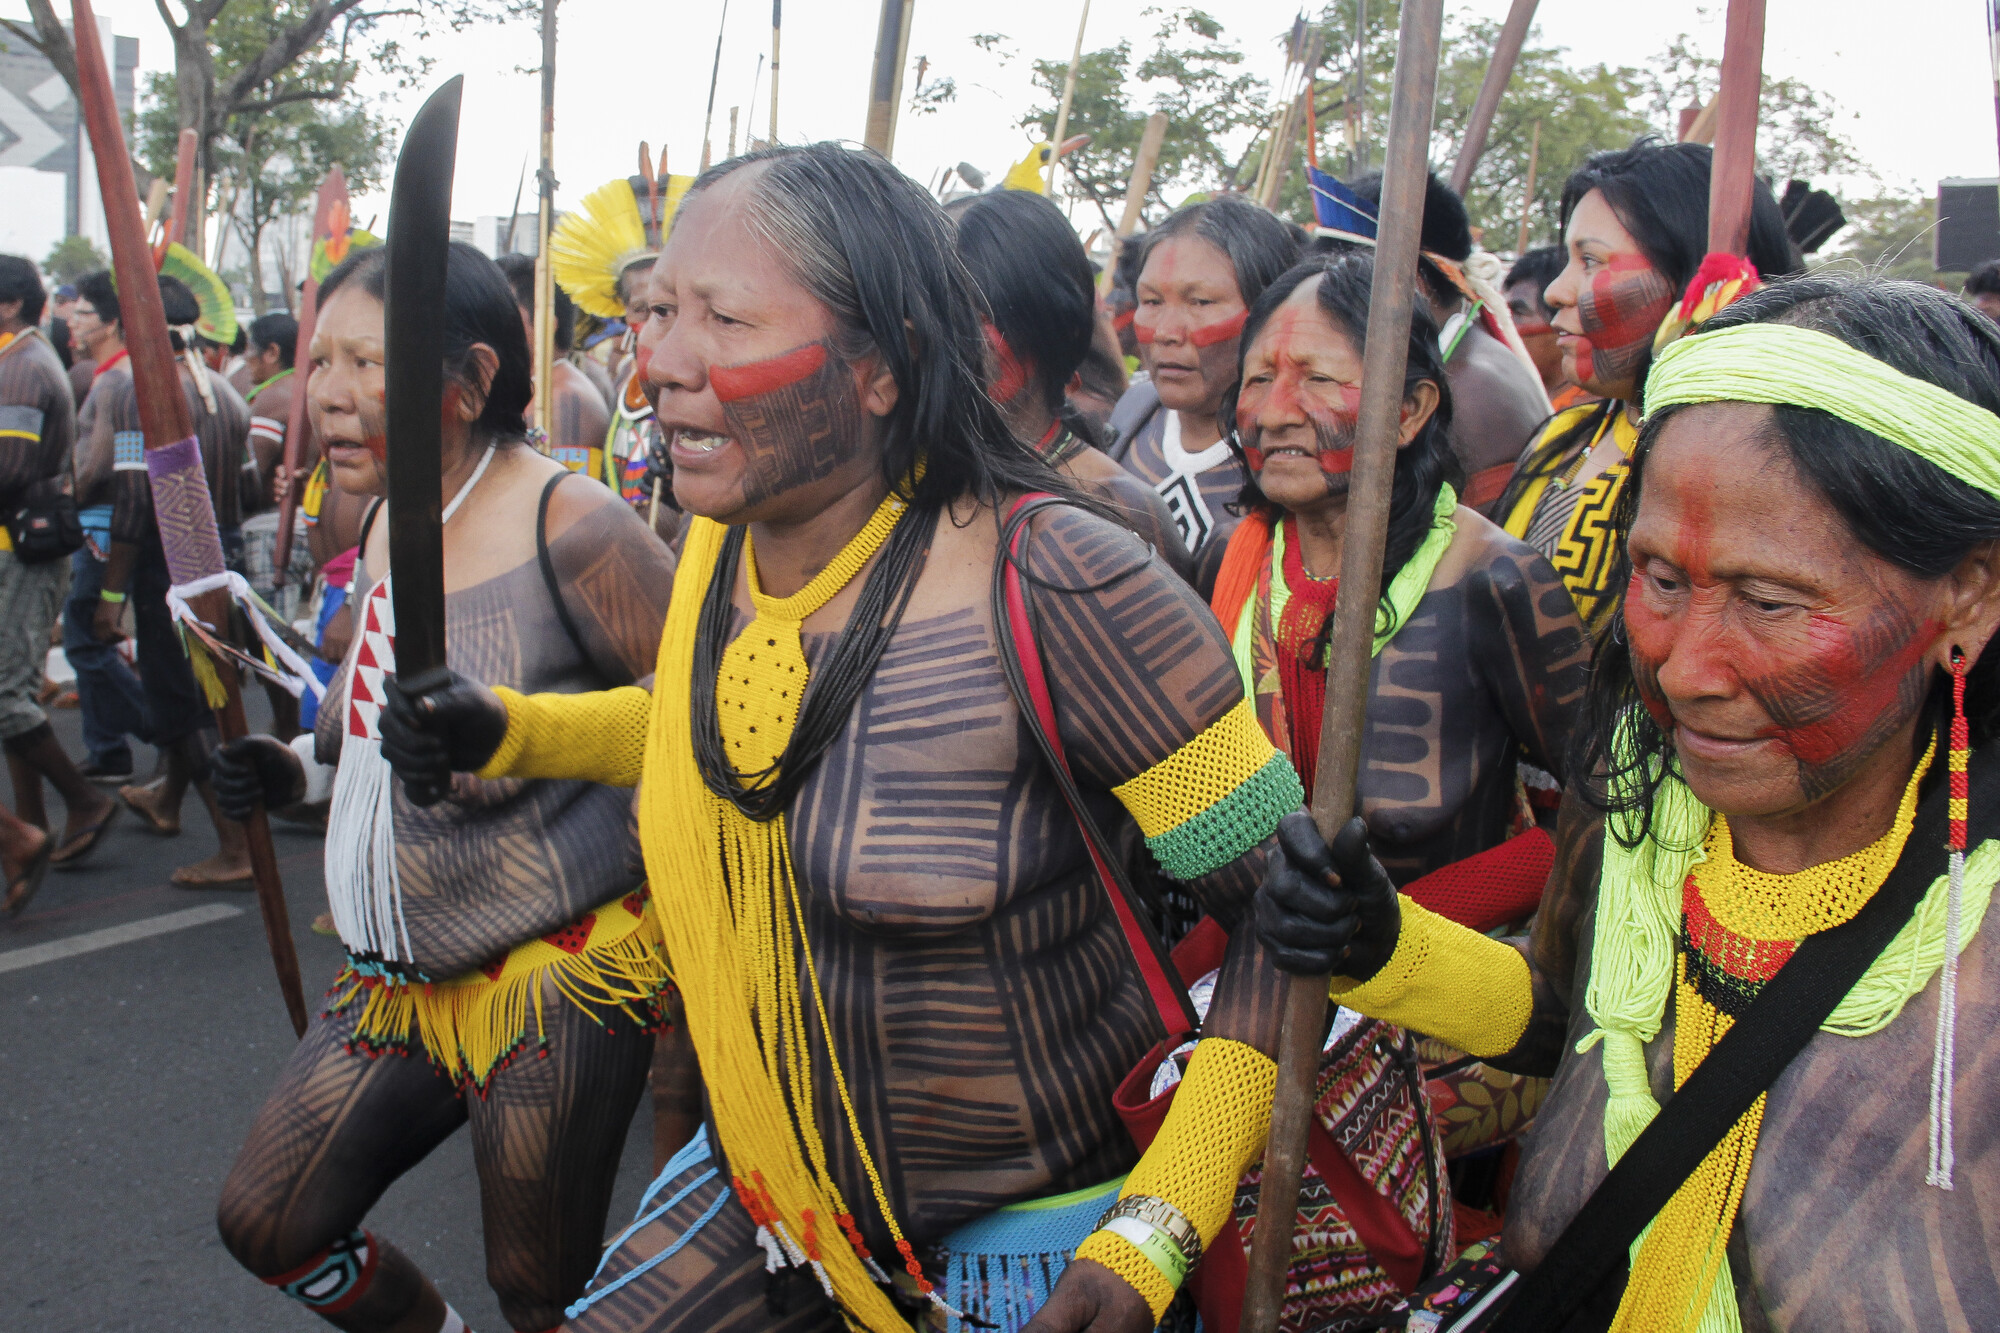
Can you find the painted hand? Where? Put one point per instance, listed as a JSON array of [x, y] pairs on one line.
[[1327, 911], [1092, 1297], [452, 728], [253, 771]]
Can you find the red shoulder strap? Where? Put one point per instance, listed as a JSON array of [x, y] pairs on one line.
[[1168, 996]]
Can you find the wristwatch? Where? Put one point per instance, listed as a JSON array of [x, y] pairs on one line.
[[1157, 1212]]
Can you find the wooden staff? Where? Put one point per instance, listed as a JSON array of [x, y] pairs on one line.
[[332, 191], [1528, 192], [1068, 97], [885, 80], [545, 282], [1505, 51], [173, 457], [1732, 182], [189, 143], [1390, 300], [1143, 164], [777, 30], [714, 73]]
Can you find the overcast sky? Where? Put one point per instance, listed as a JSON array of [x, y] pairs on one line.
[[1912, 79]]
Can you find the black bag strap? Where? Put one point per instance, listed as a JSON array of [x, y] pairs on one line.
[[1595, 1247], [548, 565]]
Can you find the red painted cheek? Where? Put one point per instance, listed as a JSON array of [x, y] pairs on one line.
[[1651, 639], [732, 383], [1221, 331], [641, 359], [1830, 702], [1142, 332], [378, 445], [1121, 321]]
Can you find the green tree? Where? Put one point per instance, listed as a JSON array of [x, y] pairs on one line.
[[1798, 126], [72, 257]]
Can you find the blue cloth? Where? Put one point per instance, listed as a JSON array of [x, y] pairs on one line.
[[1340, 210], [1001, 1268], [108, 694], [329, 607]]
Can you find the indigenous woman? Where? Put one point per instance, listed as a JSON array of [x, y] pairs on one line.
[[1782, 729], [1035, 279], [578, 418], [503, 964], [910, 998], [1199, 272], [1635, 226]]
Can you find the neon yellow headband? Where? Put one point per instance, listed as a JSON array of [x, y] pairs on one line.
[[1783, 363]]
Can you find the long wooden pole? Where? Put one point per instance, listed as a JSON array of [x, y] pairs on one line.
[[545, 279], [1391, 299], [333, 186], [777, 31], [1528, 191], [1068, 98], [714, 74], [184, 156], [173, 457], [885, 80], [1506, 50], [1733, 176], [1148, 157]]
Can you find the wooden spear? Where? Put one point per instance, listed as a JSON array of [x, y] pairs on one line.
[[173, 456], [1528, 191], [777, 30], [545, 281], [885, 80], [1391, 298], [714, 74], [183, 185], [1505, 51], [1068, 97], [1732, 182]]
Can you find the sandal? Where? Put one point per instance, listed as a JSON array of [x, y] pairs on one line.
[[85, 842], [22, 887]]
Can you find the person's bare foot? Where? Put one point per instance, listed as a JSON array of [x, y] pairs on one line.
[[220, 871], [24, 860], [84, 829], [150, 804]]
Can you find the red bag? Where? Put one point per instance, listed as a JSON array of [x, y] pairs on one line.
[[1374, 1217]]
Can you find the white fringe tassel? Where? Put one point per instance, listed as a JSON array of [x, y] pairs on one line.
[[362, 886], [1944, 1053]]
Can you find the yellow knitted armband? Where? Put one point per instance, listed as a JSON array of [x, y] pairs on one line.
[[1215, 798], [1213, 1132], [1450, 982], [595, 737]]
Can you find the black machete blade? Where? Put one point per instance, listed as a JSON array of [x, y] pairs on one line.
[[419, 243]]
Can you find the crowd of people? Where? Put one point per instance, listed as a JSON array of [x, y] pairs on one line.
[[881, 708]]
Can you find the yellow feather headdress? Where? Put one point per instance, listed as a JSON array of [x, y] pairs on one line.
[[602, 238]]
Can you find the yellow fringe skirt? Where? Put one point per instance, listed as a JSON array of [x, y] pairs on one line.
[[473, 1026]]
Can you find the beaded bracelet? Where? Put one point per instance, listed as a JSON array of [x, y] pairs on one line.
[[106, 595]]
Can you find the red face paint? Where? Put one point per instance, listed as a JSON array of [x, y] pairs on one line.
[[1142, 333], [378, 445], [1011, 373], [1619, 312], [1290, 394], [1122, 321], [1208, 335], [766, 376], [1533, 328]]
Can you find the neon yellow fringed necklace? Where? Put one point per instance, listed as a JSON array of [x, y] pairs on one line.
[[735, 930]]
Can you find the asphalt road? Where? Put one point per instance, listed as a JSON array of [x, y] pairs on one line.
[[130, 1068]]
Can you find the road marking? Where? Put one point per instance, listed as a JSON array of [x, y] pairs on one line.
[[90, 941]]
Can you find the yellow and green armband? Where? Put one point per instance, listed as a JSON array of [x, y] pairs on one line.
[[1215, 798], [595, 737], [1450, 982], [1213, 1132]]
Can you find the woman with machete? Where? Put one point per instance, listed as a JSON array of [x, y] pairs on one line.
[[1799, 678], [503, 961], [910, 998]]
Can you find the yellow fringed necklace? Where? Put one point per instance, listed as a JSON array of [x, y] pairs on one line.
[[1738, 927], [736, 931]]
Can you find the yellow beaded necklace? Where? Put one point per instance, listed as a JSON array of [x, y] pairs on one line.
[[1739, 925]]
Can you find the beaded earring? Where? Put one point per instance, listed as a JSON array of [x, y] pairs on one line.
[[1944, 1053]]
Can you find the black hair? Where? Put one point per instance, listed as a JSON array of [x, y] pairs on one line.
[[478, 308], [520, 274], [1446, 229], [1982, 281], [19, 281], [642, 266], [1902, 508], [102, 293], [1541, 266], [1423, 466], [874, 248], [278, 330], [60, 340], [1259, 246], [180, 307], [1029, 265], [1660, 193], [242, 339]]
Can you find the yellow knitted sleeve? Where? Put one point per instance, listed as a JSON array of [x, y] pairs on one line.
[[595, 737], [1450, 982], [1213, 1132]]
